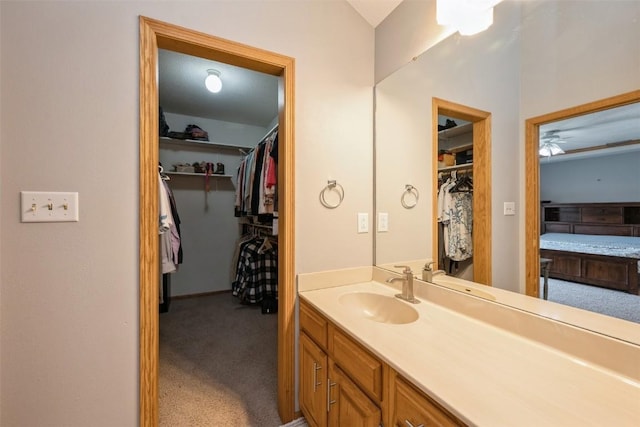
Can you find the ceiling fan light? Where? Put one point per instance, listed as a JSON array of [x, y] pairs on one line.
[[213, 81], [549, 149]]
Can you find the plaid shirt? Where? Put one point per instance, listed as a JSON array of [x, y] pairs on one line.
[[257, 271]]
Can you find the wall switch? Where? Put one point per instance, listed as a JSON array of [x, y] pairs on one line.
[[383, 221], [48, 206], [363, 223], [509, 208]]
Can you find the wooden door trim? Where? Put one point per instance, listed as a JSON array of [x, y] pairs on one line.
[[532, 178], [481, 183], [156, 34]]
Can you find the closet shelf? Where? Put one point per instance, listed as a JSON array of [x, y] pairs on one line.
[[456, 167], [169, 142], [455, 131], [199, 174]]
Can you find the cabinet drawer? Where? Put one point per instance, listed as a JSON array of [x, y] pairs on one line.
[[357, 362], [604, 215], [414, 408], [313, 324]]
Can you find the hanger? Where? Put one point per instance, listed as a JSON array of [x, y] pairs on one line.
[[464, 184], [163, 175], [265, 246]]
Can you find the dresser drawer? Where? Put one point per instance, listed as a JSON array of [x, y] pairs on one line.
[[313, 323], [603, 215], [357, 362], [412, 407]]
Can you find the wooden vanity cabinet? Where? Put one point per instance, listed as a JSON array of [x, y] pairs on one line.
[[313, 382], [329, 395], [348, 404], [411, 407], [344, 384]]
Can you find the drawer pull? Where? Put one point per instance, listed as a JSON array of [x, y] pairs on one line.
[[316, 383], [411, 425], [329, 401]]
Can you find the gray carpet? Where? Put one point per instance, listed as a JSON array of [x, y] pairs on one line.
[[600, 300], [218, 364]]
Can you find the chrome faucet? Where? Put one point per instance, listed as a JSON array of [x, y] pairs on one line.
[[407, 284], [428, 272]]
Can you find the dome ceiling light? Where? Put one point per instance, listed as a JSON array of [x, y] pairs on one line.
[[213, 81]]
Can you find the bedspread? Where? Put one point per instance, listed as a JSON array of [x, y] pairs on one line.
[[620, 246]]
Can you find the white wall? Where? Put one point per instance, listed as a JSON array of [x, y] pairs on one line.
[[612, 178], [69, 308], [405, 34]]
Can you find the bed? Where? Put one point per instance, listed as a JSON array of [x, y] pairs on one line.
[[593, 243]]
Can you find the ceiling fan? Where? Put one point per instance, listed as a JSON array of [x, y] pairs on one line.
[[549, 144]]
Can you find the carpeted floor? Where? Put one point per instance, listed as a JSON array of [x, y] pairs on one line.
[[600, 300], [218, 364]]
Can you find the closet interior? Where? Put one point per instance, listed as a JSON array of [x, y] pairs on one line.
[[219, 172], [218, 163], [455, 197]]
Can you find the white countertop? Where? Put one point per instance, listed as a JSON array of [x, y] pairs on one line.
[[483, 374]]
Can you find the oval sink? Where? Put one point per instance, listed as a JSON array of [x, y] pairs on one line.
[[379, 308]]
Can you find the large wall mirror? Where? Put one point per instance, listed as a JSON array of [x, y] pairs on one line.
[[538, 58]]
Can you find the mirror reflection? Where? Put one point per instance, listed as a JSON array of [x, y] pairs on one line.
[[538, 57], [455, 197], [590, 211]]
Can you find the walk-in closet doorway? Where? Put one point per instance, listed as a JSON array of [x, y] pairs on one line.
[[481, 122], [154, 35]]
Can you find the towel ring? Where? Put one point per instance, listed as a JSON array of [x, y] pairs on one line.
[[332, 186], [409, 190]]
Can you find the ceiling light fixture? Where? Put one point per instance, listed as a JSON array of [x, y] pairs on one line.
[[549, 149], [468, 17], [213, 81]]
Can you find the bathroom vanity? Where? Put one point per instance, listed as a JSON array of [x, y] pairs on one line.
[[456, 358]]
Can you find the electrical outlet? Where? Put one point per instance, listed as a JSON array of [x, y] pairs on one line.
[[363, 223], [383, 221], [48, 206]]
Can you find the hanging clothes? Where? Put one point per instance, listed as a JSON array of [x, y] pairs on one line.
[[257, 179], [169, 230], [256, 270], [455, 214], [166, 223]]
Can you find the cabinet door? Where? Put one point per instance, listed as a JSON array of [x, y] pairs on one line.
[[348, 405], [313, 384], [412, 408]]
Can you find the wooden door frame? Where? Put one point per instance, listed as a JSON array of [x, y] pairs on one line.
[[532, 178], [156, 34], [481, 183]]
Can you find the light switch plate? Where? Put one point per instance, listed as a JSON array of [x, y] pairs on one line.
[[509, 208], [383, 221], [363, 223], [49, 206]]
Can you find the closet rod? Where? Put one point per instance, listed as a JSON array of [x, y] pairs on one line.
[[456, 167], [269, 133], [246, 153], [269, 227]]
